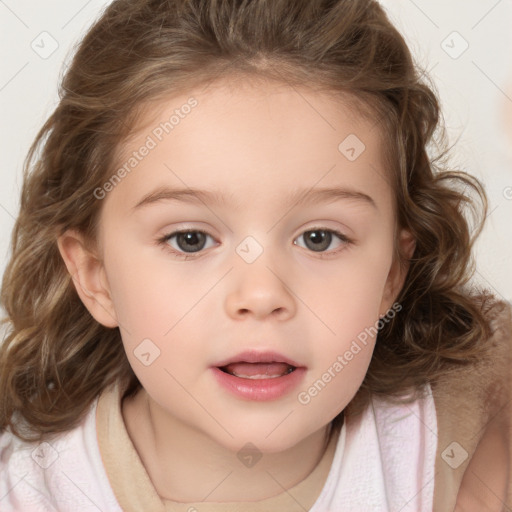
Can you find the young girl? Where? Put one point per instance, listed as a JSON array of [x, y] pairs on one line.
[[239, 283]]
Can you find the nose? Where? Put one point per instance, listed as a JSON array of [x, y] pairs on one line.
[[259, 291]]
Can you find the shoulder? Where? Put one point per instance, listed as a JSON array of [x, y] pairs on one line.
[[62, 474], [474, 415]]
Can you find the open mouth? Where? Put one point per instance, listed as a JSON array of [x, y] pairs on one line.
[[259, 376], [269, 370]]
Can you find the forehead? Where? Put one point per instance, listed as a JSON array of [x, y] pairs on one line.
[[306, 108], [244, 136]]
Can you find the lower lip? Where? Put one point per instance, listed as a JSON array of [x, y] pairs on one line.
[[260, 389]]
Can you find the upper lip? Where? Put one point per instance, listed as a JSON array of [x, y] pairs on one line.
[[253, 356]]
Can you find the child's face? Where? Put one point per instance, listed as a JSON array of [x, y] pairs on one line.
[[255, 281]]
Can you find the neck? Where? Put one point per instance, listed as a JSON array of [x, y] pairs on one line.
[[187, 466]]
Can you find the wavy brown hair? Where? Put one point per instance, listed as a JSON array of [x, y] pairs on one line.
[[56, 359]]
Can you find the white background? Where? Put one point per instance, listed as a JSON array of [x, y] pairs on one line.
[[475, 90]]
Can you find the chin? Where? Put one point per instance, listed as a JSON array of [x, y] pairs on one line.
[[264, 437]]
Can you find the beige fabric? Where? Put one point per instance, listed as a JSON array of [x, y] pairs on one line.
[[474, 411], [135, 492]]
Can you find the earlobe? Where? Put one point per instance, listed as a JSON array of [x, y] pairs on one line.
[[407, 244], [88, 275]]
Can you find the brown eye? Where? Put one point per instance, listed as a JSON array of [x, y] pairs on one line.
[[319, 239], [191, 241], [185, 242]]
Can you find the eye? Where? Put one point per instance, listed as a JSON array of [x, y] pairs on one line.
[[185, 242], [320, 239]]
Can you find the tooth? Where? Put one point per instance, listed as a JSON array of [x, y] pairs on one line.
[[256, 376]]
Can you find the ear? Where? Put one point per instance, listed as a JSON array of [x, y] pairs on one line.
[[89, 277], [397, 273]]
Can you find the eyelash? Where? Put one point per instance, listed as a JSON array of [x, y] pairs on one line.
[[163, 241]]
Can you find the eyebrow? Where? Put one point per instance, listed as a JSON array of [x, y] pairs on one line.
[[300, 197]]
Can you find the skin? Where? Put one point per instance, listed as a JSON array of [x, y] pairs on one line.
[[484, 484], [256, 145]]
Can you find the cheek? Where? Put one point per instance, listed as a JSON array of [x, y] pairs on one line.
[[347, 294], [156, 308], [149, 295], [330, 390], [349, 308], [340, 366]]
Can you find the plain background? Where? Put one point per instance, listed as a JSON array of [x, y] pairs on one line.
[[464, 44]]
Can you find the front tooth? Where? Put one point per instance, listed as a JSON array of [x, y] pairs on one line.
[[262, 376]]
